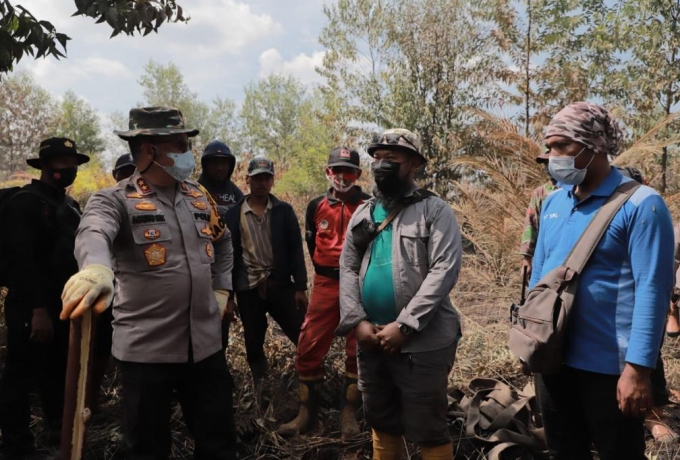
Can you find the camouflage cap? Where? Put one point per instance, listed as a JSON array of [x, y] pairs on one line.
[[155, 121], [588, 124], [397, 138], [260, 166]]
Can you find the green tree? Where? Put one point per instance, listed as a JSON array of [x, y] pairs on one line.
[[418, 65], [26, 116], [164, 85], [77, 120], [646, 84], [271, 116], [21, 33]]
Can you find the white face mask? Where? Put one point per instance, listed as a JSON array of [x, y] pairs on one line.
[[184, 164], [562, 169]]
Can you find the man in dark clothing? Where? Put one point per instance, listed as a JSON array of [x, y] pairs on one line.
[[38, 235], [124, 168], [326, 227], [218, 164], [269, 273]]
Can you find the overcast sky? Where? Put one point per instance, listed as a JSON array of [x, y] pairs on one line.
[[225, 45]]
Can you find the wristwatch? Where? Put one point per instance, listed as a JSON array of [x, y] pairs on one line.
[[406, 330]]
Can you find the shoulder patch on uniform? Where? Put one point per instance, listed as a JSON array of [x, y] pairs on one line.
[[143, 186]]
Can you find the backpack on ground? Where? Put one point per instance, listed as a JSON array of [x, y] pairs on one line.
[[504, 420], [538, 326]]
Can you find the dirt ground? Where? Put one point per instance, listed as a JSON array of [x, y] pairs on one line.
[[482, 352]]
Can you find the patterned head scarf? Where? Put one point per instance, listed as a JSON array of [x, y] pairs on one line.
[[588, 124]]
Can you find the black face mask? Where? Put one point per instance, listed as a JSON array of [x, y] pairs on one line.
[[62, 177], [386, 175]]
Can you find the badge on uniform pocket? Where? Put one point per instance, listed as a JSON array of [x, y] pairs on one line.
[[152, 234], [206, 231], [199, 205], [134, 195], [155, 255], [146, 206], [209, 249]]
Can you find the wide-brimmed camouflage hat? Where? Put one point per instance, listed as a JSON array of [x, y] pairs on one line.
[[397, 138], [155, 121]]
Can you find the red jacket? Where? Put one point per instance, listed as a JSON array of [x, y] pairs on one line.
[[326, 226]]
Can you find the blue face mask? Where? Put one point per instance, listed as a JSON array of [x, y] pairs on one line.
[[183, 167], [562, 169]]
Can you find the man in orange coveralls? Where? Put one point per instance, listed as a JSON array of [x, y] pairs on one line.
[[326, 225]]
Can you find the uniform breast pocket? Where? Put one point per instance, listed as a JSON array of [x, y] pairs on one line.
[[205, 246], [414, 240], [151, 246]]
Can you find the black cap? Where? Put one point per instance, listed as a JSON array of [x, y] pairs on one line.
[[260, 166], [55, 146], [123, 161], [216, 149], [342, 156]]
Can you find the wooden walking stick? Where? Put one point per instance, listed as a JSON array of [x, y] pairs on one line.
[[76, 399]]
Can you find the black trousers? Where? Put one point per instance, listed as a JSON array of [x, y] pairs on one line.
[[253, 306], [29, 363], [580, 409], [205, 392]]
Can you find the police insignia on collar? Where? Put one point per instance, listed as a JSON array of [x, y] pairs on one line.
[[209, 249], [206, 231], [145, 206], [134, 195], [199, 205], [143, 186], [152, 234], [194, 194], [155, 255]]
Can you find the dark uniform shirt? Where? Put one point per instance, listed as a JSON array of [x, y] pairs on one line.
[[39, 225]]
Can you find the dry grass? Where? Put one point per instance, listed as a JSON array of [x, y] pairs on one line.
[[490, 213]]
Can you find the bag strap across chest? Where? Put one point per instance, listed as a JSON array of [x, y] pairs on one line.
[[585, 246]]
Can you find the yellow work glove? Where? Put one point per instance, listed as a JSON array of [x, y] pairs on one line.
[[222, 297], [90, 287]]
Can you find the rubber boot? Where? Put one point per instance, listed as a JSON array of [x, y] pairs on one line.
[[673, 322], [349, 405], [308, 412], [443, 452], [259, 371], [386, 446]]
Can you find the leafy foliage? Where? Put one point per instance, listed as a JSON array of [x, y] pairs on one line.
[[22, 33], [76, 120], [26, 117]]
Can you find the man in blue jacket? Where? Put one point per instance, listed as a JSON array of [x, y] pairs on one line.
[[269, 272], [603, 391]]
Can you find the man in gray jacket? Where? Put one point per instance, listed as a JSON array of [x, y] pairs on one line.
[[171, 253], [407, 331]]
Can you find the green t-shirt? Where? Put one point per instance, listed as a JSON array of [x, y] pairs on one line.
[[378, 289]]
